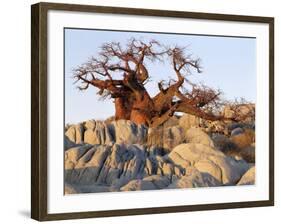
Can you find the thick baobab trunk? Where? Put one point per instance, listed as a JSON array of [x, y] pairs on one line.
[[142, 109], [122, 108]]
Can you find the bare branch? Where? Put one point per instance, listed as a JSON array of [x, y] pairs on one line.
[[132, 100]]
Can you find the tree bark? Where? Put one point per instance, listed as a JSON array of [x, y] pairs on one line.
[[142, 109], [122, 108]]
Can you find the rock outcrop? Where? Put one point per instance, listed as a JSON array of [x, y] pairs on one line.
[[197, 135], [128, 132], [194, 178], [249, 177], [188, 121], [148, 183], [122, 156], [173, 136], [75, 133], [209, 160], [166, 137], [98, 132], [113, 165], [245, 112]]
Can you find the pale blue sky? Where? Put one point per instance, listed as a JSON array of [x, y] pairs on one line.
[[229, 63]]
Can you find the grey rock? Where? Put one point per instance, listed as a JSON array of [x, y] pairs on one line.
[[188, 121], [197, 135], [69, 189], [92, 188], [193, 179], [173, 121], [159, 181], [245, 112], [209, 160], [114, 166], [83, 164], [209, 167], [75, 133], [165, 138], [237, 131], [138, 185], [68, 143], [127, 132], [90, 124], [224, 144], [104, 164], [97, 132], [249, 177], [149, 183], [173, 136]]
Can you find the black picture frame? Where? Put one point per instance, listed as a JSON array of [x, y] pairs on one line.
[[39, 110]]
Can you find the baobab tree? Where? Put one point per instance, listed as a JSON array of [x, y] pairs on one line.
[[120, 72]]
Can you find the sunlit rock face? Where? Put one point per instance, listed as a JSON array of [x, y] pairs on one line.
[[109, 156]]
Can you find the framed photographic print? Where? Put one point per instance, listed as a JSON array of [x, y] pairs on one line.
[[139, 111]]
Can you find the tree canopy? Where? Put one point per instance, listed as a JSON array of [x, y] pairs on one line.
[[120, 72]]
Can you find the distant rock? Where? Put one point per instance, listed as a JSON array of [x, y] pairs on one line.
[[228, 112], [245, 139], [248, 125], [249, 177], [230, 148], [216, 127], [237, 131], [223, 143], [197, 135], [209, 160], [188, 121], [244, 112]]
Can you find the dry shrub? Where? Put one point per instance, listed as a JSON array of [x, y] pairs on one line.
[[245, 139], [248, 154], [224, 144], [244, 149]]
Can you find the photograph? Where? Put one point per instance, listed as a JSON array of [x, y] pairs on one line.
[[138, 111], [157, 111]]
